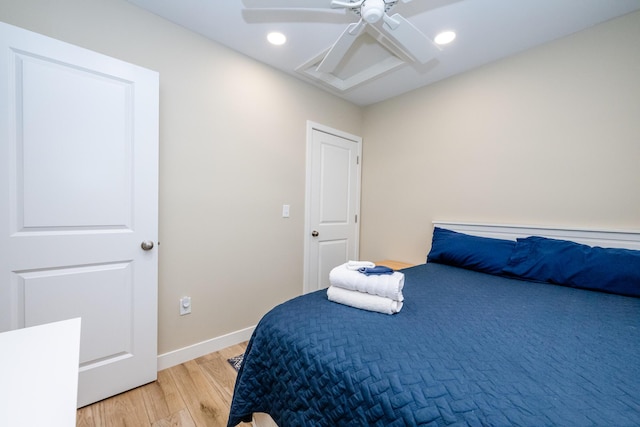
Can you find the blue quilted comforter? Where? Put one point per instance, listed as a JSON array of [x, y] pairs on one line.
[[467, 348]]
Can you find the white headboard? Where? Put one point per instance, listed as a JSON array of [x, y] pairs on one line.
[[591, 237]]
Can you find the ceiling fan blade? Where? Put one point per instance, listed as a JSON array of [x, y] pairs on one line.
[[286, 4], [340, 47], [347, 4], [409, 38]]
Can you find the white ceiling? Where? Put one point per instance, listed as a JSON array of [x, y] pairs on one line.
[[487, 30]]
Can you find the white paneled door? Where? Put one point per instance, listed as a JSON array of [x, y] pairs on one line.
[[78, 197], [333, 202]]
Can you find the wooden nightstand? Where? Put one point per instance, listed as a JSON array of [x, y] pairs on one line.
[[396, 265]]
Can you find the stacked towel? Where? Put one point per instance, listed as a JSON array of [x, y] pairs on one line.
[[383, 285], [380, 269], [374, 292], [363, 300], [356, 265]]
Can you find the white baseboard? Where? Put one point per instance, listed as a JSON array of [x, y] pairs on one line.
[[194, 351]]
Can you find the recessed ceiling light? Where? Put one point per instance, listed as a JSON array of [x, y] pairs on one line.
[[276, 38], [445, 37]]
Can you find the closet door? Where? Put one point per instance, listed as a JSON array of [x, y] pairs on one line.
[[333, 202], [79, 204]]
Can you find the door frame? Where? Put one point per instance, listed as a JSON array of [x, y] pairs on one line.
[[311, 126]]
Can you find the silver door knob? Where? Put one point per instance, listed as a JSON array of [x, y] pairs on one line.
[[314, 233], [147, 245]]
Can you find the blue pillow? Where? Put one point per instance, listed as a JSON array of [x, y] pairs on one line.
[[472, 252], [580, 266]]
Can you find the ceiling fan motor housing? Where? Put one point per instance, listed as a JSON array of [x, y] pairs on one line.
[[372, 10]]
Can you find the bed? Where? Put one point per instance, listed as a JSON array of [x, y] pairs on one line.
[[474, 344]]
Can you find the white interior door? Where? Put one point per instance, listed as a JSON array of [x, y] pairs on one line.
[[78, 195], [333, 202]]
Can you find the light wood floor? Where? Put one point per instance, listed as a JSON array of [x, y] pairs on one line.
[[194, 394]]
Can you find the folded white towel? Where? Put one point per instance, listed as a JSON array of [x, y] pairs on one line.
[[355, 265], [363, 301], [383, 285]]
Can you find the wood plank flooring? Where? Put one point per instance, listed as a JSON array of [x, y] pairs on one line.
[[196, 393]]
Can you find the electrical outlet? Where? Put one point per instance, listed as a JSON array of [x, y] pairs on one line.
[[185, 305]]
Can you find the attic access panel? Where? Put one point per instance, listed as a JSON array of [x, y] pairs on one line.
[[371, 56]]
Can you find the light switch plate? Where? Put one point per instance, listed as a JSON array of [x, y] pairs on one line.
[[185, 305]]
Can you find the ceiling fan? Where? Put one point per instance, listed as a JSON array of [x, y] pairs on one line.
[[373, 13]]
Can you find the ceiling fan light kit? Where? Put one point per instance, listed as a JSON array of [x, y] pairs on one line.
[[372, 10]]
